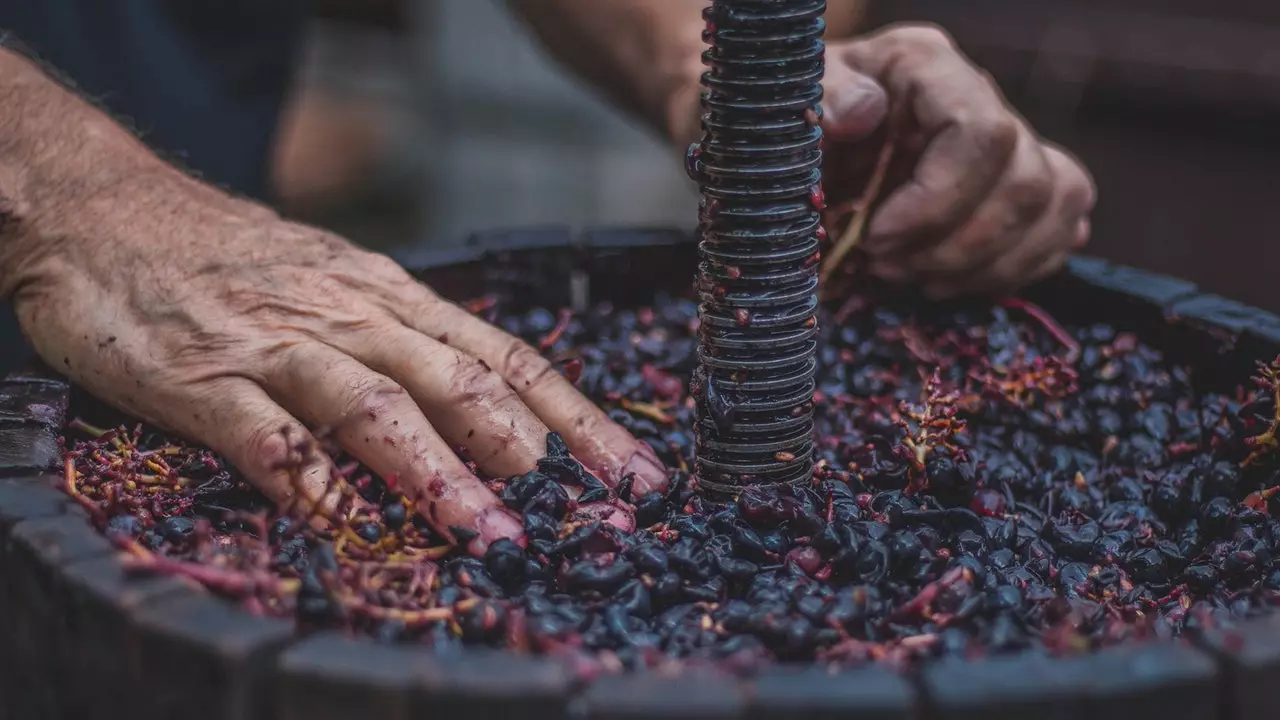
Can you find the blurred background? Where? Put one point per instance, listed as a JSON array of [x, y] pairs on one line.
[[417, 123], [423, 122]]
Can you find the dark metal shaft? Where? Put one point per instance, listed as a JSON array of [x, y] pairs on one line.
[[759, 169]]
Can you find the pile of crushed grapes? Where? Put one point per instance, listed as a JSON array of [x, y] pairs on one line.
[[987, 481]]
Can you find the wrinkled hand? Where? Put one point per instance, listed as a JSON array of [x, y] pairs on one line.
[[215, 319], [974, 201]]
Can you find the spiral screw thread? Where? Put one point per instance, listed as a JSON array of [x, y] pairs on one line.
[[758, 166]]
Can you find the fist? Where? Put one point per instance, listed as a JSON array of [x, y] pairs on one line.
[[973, 201]]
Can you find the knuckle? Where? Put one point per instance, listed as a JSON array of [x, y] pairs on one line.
[[473, 381], [995, 131], [384, 266], [592, 423], [369, 397], [270, 447], [1029, 195], [923, 35], [525, 366]]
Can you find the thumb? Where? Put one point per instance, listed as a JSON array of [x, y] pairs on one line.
[[854, 105]]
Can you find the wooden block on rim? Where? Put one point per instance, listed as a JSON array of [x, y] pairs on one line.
[[98, 601], [870, 693], [334, 677], [36, 552], [1250, 659], [21, 499], [28, 497], [37, 402], [492, 684], [201, 658], [1148, 681], [1158, 680], [27, 448], [1003, 688], [689, 696]]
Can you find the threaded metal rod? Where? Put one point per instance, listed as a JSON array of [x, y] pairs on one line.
[[758, 166]]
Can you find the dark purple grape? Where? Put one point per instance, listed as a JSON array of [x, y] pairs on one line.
[[176, 529]]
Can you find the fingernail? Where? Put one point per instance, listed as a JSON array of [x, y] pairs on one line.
[[494, 524], [613, 515], [854, 108], [649, 475]]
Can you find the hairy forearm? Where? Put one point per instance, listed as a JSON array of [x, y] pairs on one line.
[[70, 177], [62, 162], [644, 55]]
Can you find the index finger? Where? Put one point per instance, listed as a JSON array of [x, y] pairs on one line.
[[968, 134], [601, 444]]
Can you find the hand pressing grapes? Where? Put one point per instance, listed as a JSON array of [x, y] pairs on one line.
[[214, 318], [974, 200]]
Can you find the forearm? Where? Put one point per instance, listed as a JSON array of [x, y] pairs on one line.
[[644, 55], [64, 165]]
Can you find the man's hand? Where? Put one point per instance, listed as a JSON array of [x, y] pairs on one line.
[[227, 325], [979, 202], [975, 202], [212, 317]]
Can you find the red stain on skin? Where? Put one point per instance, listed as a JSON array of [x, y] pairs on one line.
[[573, 370], [609, 514], [436, 487], [494, 523]]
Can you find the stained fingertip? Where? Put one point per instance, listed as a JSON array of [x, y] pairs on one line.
[[646, 470], [494, 524], [609, 515]]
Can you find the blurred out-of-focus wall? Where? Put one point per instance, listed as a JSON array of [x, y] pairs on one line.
[[507, 138], [444, 118]]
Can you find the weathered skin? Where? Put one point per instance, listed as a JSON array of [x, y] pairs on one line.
[[975, 202], [212, 317]]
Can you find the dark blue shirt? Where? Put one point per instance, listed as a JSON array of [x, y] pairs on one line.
[[201, 81]]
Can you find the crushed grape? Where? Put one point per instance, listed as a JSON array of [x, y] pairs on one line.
[[985, 482]]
